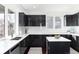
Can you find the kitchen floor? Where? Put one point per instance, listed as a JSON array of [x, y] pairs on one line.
[[35, 50], [38, 50]]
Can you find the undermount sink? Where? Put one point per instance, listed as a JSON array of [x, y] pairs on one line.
[[16, 38]]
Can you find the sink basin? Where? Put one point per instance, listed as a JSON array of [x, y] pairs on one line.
[[16, 38]]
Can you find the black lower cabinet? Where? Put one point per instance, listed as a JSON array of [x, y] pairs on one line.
[[26, 42], [36, 40], [73, 42], [25, 45], [76, 44], [77, 40], [58, 47], [22, 43]]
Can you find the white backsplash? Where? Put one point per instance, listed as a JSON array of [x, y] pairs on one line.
[[22, 30], [73, 29], [44, 29]]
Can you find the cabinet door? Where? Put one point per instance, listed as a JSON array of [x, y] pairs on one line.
[[26, 42], [78, 18], [22, 43], [36, 40], [36, 20], [68, 20], [40, 20], [26, 20], [21, 19], [32, 20], [72, 20], [15, 50], [75, 20], [43, 20], [77, 43]]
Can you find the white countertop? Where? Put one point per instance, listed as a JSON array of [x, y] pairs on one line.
[[61, 39], [50, 32], [6, 44]]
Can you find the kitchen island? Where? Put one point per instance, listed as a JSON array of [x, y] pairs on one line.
[[59, 45]]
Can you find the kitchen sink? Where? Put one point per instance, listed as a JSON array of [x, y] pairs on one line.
[[16, 38]]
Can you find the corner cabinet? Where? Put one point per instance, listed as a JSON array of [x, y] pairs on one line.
[[72, 20]]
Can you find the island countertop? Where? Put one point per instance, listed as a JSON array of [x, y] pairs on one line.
[[60, 39]]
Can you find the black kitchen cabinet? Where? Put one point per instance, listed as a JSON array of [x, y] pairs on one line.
[[67, 19], [35, 20], [75, 19], [66, 36], [72, 20], [26, 42], [26, 21], [22, 43], [57, 47], [21, 19], [32, 41], [36, 40], [77, 43], [73, 41]]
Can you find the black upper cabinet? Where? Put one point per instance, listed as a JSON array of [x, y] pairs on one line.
[[72, 20], [26, 20], [21, 19], [68, 20], [32, 20], [35, 20]]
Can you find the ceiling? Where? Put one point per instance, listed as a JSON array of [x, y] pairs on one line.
[[51, 8]]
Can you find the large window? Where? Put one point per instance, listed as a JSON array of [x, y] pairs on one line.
[[2, 21], [11, 23]]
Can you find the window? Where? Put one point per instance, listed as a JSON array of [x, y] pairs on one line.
[[49, 22], [57, 22], [11, 22], [2, 21]]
